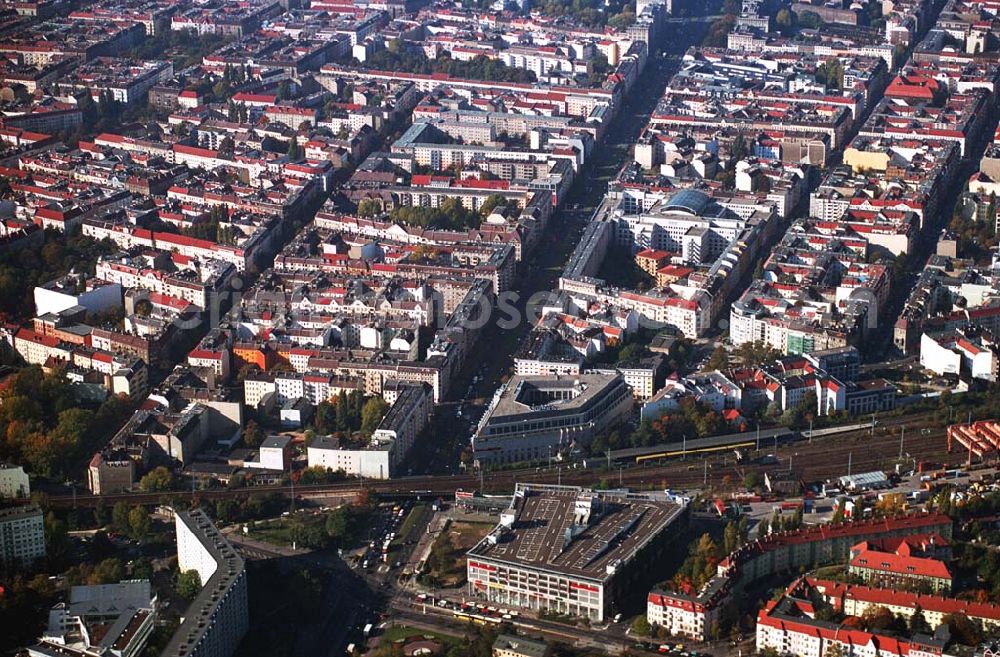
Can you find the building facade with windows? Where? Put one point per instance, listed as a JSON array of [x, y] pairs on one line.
[[694, 613], [571, 550], [535, 417], [22, 536], [218, 617]]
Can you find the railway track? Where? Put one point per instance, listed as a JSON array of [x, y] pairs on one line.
[[822, 458]]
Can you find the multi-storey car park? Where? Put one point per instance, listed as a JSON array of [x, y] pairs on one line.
[[572, 550]]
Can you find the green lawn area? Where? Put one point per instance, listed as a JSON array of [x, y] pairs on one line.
[[401, 632], [417, 515], [280, 531]]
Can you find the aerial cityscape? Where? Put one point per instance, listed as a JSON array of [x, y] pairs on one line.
[[471, 328]]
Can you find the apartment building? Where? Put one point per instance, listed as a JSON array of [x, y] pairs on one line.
[[22, 536], [218, 617]]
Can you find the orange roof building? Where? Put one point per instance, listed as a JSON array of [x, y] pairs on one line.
[[901, 568]]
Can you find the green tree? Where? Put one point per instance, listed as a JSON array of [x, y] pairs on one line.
[[622, 20], [338, 523], [156, 480], [963, 629], [317, 474], [739, 148], [325, 420], [142, 568], [719, 360], [109, 571], [810, 20], [188, 584], [826, 613], [479, 68], [119, 517], [343, 412], [831, 73], [640, 626], [838, 514], [369, 208], [57, 544], [756, 353], [492, 202], [343, 524], [253, 436], [372, 413], [879, 618], [631, 352], [784, 20], [100, 513], [918, 622], [309, 536], [222, 90], [727, 178], [139, 522], [730, 538]]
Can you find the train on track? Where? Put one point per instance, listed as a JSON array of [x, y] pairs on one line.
[[704, 446], [747, 440], [429, 487]]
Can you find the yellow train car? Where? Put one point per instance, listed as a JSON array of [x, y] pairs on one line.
[[701, 450]]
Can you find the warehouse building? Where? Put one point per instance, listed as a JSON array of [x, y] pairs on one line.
[[572, 550], [865, 481]]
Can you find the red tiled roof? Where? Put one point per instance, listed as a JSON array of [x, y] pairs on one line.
[[894, 598], [900, 564], [205, 354], [28, 334]]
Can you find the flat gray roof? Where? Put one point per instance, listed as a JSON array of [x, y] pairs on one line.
[[545, 533], [276, 442], [107, 599], [527, 396]]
